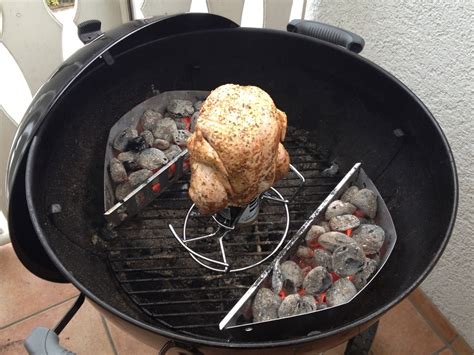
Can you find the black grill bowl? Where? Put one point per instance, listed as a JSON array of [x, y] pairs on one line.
[[354, 110]]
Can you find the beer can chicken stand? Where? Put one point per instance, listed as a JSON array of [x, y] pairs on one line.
[[236, 156]]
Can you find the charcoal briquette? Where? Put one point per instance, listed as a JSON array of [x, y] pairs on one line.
[[265, 305]]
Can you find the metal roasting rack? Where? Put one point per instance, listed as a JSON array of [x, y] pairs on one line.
[[227, 221]]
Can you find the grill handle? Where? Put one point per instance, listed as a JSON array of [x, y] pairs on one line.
[[328, 33], [44, 341], [88, 31]]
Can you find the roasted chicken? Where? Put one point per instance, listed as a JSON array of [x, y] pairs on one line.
[[236, 151]]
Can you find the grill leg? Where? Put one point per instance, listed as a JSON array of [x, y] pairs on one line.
[[361, 344]]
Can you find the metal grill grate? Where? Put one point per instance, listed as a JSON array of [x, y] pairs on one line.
[[160, 277]]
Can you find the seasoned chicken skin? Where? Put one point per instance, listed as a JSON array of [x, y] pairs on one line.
[[235, 150]]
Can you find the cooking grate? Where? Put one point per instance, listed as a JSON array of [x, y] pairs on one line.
[[160, 277]]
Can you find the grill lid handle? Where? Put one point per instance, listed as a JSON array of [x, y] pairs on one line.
[[89, 30], [328, 33]]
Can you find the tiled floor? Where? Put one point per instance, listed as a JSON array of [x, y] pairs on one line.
[[413, 327]]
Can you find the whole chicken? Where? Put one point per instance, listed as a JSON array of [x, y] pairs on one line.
[[235, 150]]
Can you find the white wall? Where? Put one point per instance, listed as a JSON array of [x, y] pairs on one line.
[[429, 45]]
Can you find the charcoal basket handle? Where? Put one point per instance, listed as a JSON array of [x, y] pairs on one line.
[[328, 33]]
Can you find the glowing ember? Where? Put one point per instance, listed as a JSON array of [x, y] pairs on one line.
[[337, 265], [302, 264], [294, 258], [186, 164], [187, 122], [306, 270], [171, 170], [156, 187], [313, 244], [321, 298]]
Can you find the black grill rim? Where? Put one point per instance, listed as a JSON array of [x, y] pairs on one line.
[[36, 212]]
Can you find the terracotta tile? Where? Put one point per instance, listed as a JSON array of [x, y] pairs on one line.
[[432, 314], [403, 331], [85, 334], [126, 344], [460, 346], [310, 349], [338, 350], [23, 294], [11, 338]]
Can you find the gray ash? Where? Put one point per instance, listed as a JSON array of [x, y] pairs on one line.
[[361, 278], [289, 278], [152, 159], [137, 144], [296, 304], [150, 120], [123, 138], [340, 292], [172, 152], [344, 222], [366, 201], [316, 281], [338, 208], [117, 171], [180, 108], [348, 260], [265, 305], [349, 194], [312, 236], [139, 176], [370, 237], [167, 130], [148, 137], [149, 143], [332, 240], [323, 258], [334, 249]]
